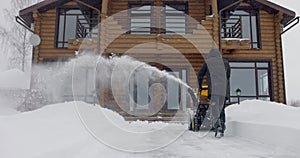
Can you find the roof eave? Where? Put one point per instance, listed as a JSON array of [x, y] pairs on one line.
[[37, 6]]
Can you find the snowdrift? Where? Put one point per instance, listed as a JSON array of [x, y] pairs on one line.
[[14, 79], [5, 111], [267, 122], [57, 131]]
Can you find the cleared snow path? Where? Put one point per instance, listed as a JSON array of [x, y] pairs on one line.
[[56, 131], [227, 147]]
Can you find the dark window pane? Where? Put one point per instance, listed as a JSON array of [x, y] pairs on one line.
[[242, 64], [70, 27], [140, 18], [175, 18], [241, 12], [262, 65], [142, 91], [173, 93], [243, 79], [263, 82], [61, 28], [254, 32], [246, 27], [74, 11]]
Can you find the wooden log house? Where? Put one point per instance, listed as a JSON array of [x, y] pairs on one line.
[[248, 31]]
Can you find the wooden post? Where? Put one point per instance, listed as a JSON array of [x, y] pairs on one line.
[[281, 96], [215, 30], [102, 32], [102, 26]]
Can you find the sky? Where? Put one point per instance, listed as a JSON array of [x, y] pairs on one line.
[[290, 48]]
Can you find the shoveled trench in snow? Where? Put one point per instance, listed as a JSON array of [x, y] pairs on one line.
[[57, 131]]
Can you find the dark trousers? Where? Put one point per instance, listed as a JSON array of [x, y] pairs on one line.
[[217, 108]]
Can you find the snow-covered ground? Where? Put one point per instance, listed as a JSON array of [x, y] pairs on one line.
[[14, 79], [255, 129]]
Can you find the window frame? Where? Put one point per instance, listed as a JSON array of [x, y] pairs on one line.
[[159, 30], [165, 107], [57, 30], [178, 69], [256, 69], [186, 12], [252, 12], [151, 4]]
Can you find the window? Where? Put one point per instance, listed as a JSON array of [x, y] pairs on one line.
[[79, 86], [175, 17], [67, 19], [140, 90], [241, 23], [253, 78], [73, 23], [140, 18], [176, 99]]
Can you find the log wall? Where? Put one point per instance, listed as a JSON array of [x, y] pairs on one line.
[[162, 47], [45, 26]]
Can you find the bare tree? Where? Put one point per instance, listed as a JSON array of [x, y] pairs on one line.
[[16, 36]]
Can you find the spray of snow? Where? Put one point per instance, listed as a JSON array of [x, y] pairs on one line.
[[78, 79]]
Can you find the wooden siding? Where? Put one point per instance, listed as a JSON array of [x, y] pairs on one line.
[[270, 50], [45, 26], [197, 9]]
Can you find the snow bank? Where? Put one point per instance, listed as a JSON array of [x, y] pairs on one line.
[[7, 111], [14, 79], [267, 122], [57, 131]]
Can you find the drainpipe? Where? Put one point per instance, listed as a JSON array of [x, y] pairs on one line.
[[220, 21], [99, 15], [289, 23], [22, 22]]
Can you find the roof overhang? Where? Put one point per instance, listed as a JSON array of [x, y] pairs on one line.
[[27, 13], [266, 5]]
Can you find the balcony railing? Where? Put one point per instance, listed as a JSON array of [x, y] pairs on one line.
[[231, 28], [86, 27]]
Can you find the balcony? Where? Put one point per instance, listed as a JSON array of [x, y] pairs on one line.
[[232, 34]]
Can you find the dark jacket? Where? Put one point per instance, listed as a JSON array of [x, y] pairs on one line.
[[218, 70]]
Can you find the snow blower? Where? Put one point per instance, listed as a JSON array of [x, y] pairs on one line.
[[197, 117]]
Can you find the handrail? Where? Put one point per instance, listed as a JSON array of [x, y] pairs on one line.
[[290, 22], [220, 21], [80, 30], [99, 15], [22, 22]]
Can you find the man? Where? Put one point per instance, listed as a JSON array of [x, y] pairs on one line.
[[218, 70]]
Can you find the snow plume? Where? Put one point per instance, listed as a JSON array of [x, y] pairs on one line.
[[82, 78]]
